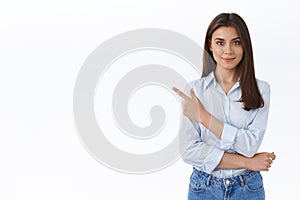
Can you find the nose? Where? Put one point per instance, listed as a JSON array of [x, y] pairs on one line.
[[227, 49]]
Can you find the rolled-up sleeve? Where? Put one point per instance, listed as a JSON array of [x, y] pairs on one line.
[[247, 141], [194, 151]]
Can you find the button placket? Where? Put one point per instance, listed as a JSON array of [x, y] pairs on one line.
[[227, 106]]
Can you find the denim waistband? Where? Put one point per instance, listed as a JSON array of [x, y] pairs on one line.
[[239, 179]]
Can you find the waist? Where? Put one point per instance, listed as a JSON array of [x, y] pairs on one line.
[[225, 173], [238, 179]]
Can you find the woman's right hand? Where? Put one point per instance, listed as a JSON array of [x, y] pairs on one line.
[[260, 161]]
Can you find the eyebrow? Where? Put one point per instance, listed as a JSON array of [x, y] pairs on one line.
[[231, 40]]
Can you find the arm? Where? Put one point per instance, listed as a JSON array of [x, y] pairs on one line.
[[259, 162], [244, 141], [208, 157], [194, 150]]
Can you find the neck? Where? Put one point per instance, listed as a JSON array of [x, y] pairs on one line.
[[226, 76]]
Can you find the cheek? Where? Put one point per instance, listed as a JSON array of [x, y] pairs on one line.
[[216, 52], [216, 55], [240, 52]]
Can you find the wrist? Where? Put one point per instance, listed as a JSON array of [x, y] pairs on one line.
[[246, 163], [204, 117]]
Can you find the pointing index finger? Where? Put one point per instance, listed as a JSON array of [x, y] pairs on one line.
[[180, 93]]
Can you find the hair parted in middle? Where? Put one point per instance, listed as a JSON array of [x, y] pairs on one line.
[[251, 96]]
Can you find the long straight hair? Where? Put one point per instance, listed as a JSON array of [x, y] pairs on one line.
[[251, 97]]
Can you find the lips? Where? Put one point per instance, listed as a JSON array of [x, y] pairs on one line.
[[228, 59]]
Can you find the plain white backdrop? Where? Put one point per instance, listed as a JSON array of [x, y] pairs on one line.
[[42, 47]]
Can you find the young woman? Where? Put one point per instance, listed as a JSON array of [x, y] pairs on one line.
[[229, 110]]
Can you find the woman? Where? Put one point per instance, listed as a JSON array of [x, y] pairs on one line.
[[229, 110]]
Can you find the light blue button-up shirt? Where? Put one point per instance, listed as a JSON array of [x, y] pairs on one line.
[[243, 130]]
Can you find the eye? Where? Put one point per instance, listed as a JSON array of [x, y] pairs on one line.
[[220, 43], [236, 42]]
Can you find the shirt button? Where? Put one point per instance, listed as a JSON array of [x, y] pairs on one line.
[[227, 182]]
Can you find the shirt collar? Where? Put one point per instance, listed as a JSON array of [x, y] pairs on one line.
[[211, 79]]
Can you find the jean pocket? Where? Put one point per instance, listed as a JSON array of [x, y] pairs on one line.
[[254, 183], [197, 184]]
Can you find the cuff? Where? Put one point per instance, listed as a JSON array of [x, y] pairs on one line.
[[228, 136]]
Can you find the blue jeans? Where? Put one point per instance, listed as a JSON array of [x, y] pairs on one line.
[[248, 185]]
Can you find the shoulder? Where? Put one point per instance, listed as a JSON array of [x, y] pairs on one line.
[[196, 83], [200, 83], [263, 86]]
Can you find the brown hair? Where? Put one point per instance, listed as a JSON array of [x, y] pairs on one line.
[[251, 96]]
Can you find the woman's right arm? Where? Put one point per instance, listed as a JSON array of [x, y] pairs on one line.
[[206, 155], [203, 155]]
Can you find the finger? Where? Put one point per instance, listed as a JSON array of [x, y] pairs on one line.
[[193, 95], [264, 169], [272, 156], [270, 161], [180, 93], [268, 165]]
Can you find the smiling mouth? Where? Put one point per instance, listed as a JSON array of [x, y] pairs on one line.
[[228, 59]]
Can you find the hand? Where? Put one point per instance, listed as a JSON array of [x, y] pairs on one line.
[[192, 107], [261, 161]]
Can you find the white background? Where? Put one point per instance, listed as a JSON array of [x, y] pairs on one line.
[[42, 47]]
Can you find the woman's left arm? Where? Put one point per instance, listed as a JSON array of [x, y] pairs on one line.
[[259, 162]]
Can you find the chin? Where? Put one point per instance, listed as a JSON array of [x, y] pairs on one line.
[[229, 67]]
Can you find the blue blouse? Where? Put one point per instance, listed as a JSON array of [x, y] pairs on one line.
[[243, 130]]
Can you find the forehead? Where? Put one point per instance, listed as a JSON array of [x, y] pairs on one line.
[[225, 32]]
